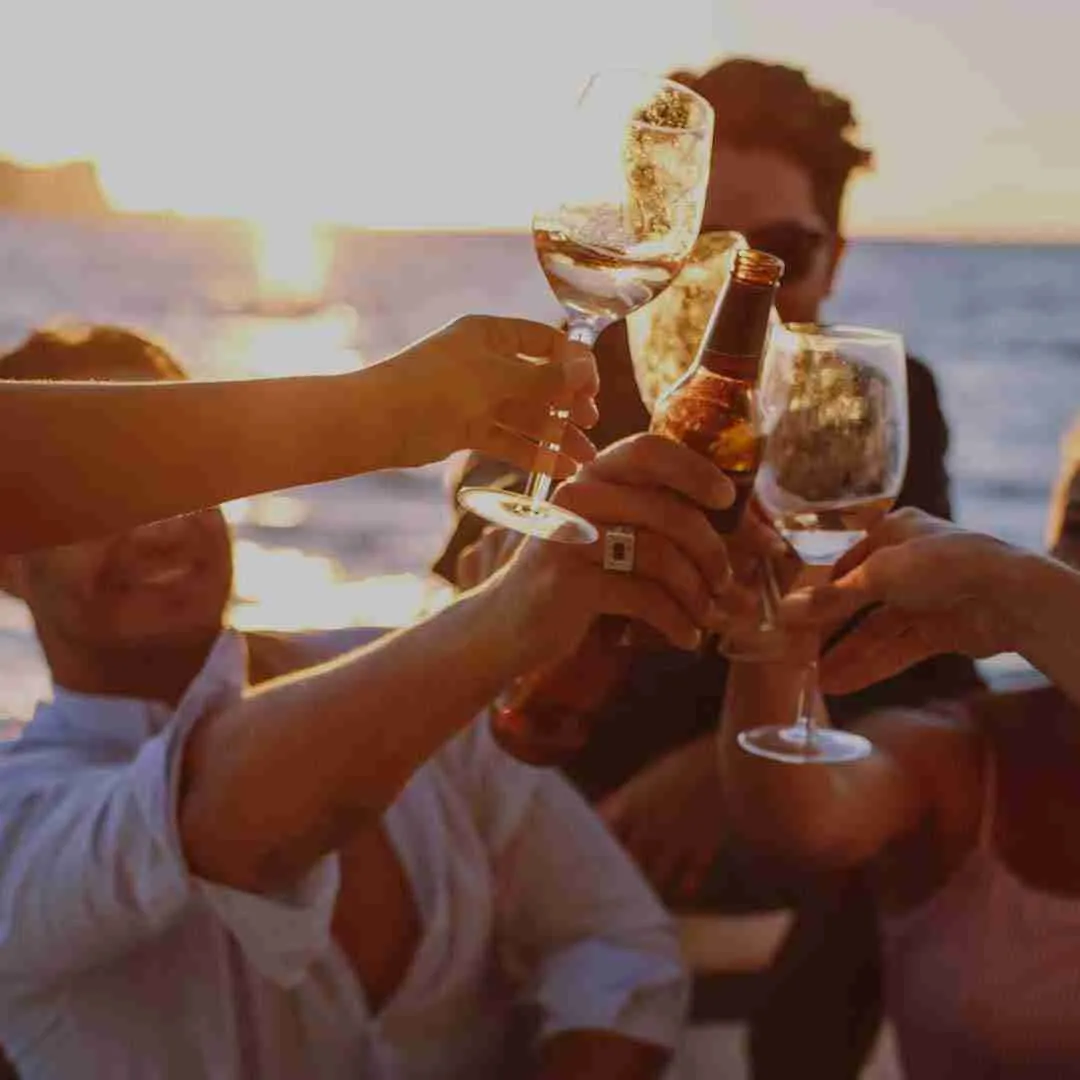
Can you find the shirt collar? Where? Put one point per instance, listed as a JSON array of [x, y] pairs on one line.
[[127, 721]]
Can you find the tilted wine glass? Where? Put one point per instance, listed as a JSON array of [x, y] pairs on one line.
[[628, 211]]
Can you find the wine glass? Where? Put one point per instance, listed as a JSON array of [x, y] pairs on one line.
[[620, 227], [835, 417]]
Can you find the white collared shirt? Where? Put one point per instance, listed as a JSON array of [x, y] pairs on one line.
[[116, 961]]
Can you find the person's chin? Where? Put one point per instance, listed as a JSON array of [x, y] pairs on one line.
[[169, 628]]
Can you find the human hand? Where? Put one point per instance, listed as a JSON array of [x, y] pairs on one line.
[[765, 567], [486, 383], [657, 488], [935, 585], [670, 818]]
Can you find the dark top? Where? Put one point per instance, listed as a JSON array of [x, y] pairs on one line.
[[670, 697]]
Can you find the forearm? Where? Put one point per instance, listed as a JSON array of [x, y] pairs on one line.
[[1038, 599], [795, 811], [287, 775], [88, 459], [586, 1055]]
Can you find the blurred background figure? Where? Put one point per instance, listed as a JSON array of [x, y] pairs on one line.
[[979, 899]]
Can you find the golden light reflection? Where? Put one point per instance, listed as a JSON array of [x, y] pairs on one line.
[[284, 588], [264, 345], [292, 259]]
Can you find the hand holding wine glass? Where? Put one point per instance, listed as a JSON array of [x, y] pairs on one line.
[[483, 383], [611, 239], [834, 410]]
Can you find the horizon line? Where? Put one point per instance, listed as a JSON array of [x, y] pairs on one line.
[[989, 237]]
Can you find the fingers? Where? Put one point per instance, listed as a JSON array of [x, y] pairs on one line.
[[519, 450], [832, 604], [900, 526], [885, 643], [534, 420], [672, 854], [536, 361], [659, 560], [649, 460], [605, 503], [529, 340]]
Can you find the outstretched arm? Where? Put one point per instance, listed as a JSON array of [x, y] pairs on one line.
[[85, 459], [286, 776]]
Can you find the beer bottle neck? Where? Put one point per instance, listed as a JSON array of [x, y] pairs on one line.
[[736, 336]]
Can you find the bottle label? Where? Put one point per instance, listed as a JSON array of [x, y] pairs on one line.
[[743, 368]]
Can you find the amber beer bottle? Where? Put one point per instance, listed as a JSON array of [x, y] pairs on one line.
[[545, 718], [713, 409]]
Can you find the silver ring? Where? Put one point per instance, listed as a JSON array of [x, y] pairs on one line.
[[619, 544]]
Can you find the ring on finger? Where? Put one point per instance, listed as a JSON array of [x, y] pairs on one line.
[[620, 542]]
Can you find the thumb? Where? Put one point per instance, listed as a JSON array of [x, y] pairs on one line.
[[835, 602]]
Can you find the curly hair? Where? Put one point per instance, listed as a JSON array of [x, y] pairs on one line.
[[90, 352], [775, 107]]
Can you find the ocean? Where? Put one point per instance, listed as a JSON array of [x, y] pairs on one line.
[[998, 324]]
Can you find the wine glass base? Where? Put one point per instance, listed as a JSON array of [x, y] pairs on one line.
[[544, 520], [795, 746]]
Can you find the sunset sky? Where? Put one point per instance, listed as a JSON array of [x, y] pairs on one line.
[[429, 112]]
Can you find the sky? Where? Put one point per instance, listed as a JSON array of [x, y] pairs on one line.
[[446, 112]]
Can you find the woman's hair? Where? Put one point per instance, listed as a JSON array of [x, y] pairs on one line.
[[775, 107], [86, 352], [1065, 488]]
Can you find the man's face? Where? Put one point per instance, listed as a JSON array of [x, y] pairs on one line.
[[165, 583], [770, 200]]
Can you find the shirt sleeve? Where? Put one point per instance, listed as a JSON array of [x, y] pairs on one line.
[[91, 866], [576, 922]]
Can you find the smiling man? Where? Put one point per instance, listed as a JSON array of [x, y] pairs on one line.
[[188, 893]]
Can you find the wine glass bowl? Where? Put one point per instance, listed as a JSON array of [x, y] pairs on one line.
[[622, 220], [834, 412]]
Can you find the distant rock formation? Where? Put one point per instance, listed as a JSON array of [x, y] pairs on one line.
[[68, 190]]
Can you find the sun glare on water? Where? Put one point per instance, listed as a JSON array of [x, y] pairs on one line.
[[285, 588], [292, 260], [286, 325]]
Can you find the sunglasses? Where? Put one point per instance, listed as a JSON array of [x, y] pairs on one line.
[[796, 245]]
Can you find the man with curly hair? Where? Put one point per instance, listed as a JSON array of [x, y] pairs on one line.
[[782, 158]]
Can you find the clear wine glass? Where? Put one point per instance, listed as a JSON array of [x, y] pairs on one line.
[[835, 417], [619, 229]]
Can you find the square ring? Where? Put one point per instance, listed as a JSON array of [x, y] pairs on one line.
[[619, 544]]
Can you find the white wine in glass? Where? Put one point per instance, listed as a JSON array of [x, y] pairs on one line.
[[835, 414], [664, 336], [618, 230]]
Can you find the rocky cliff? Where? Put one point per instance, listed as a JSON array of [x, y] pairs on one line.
[[68, 190]]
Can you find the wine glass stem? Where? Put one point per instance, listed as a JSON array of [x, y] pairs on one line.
[[541, 479], [805, 719]]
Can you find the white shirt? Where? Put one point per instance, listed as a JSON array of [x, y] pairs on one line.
[[116, 961]]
